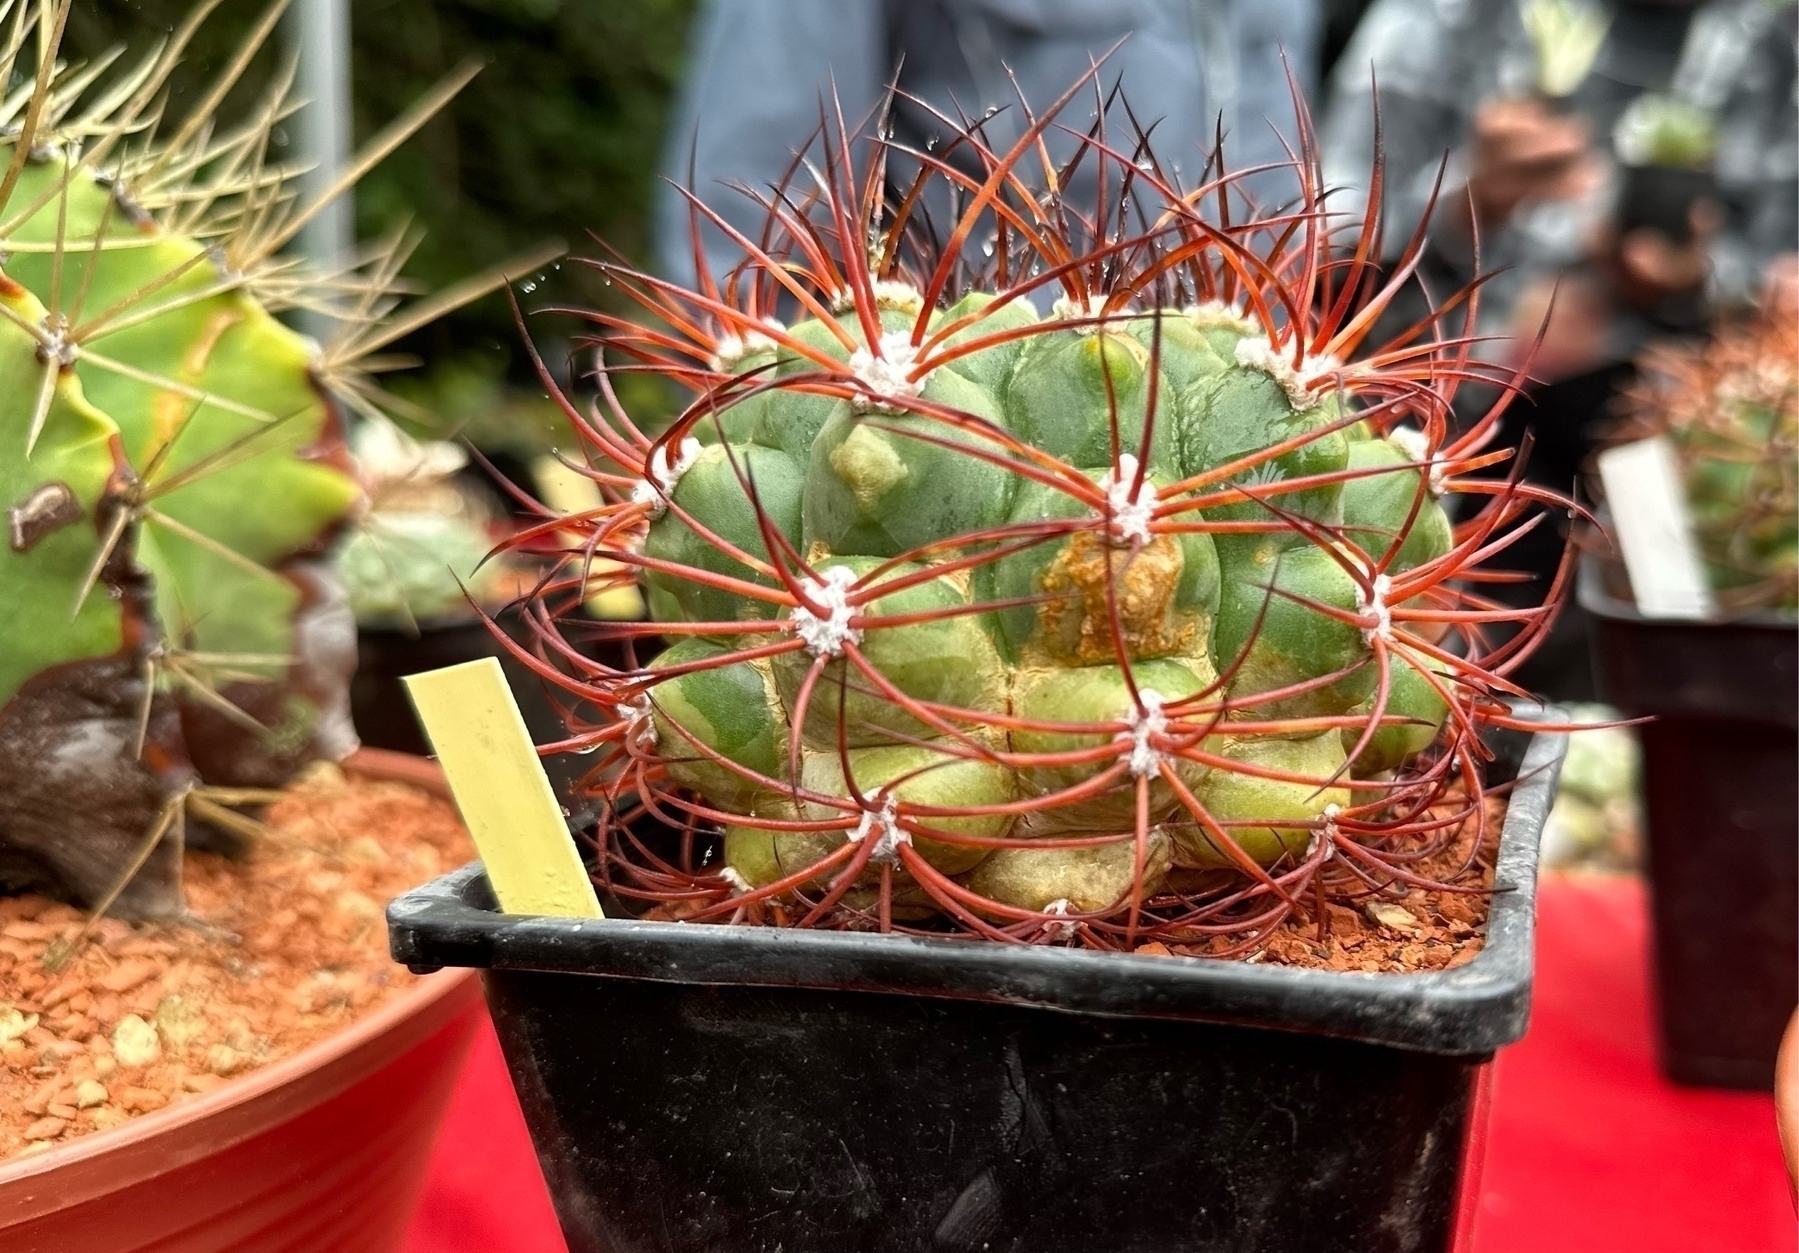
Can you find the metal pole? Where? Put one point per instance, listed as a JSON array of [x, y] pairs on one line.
[[319, 31]]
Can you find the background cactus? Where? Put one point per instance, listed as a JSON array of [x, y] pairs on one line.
[[173, 461], [1730, 407], [1051, 570], [1667, 131], [419, 555]]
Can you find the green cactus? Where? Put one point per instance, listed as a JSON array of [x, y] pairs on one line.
[[1668, 132], [55, 498], [1083, 605], [1004, 615], [79, 631], [419, 552], [240, 463], [406, 569], [171, 463], [1730, 407]]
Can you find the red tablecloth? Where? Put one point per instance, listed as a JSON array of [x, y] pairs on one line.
[[1591, 1151]]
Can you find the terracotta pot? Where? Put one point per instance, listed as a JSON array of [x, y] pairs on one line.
[[325, 1150]]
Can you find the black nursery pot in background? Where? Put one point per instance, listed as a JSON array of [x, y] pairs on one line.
[[1662, 198], [383, 713], [386, 655], [1723, 817], [711, 1089]]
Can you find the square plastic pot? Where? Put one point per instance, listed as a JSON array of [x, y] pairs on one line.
[[713, 1089], [1723, 825], [1662, 198]]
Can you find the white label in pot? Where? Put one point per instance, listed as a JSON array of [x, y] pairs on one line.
[[1654, 530]]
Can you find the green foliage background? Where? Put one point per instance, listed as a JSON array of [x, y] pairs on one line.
[[558, 138]]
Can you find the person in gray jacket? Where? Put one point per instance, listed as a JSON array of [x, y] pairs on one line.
[[1459, 78], [1462, 104], [759, 71]]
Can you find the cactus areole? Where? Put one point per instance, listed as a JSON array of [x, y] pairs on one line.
[[1037, 571]]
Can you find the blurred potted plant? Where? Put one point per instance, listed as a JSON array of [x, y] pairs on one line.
[[418, 576], [1665, 145], [1597, 822], [1723, 824], [174, 647], [1045, 626], [429, 591]]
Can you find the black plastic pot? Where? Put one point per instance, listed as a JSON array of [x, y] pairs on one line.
[[384, 656], [1723, 819], [711, 1089], [1662, 198]]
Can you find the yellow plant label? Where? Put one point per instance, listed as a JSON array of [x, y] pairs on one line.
[[474, 725]]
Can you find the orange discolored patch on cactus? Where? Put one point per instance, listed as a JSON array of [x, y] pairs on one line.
[[1099, 596]]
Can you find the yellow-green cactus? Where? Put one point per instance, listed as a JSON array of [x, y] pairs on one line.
[[241, 466], [77, 714], [172, 463]]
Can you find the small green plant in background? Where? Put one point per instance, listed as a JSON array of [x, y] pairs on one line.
[[418, 554], [410, 569], [1667, 132], [1597, 819]]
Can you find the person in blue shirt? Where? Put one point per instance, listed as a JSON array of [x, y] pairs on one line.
[[759, 70]]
